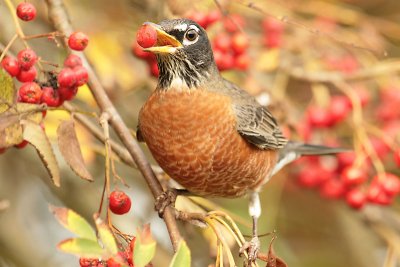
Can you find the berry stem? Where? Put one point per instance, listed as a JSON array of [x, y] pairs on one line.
[[380, 134], [4, 53], [106, 189], [359, 128], [43, 35], [18, 27], [49, 63]]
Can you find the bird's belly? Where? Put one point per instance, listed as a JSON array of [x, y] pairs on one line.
[[195, 141]]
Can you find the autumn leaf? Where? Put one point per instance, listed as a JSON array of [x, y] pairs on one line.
[[182, 256], [74, 222], [106, 236], [70, 149], [35, 135], [11, 132], [81, 247], [145, 247], [6, 91]]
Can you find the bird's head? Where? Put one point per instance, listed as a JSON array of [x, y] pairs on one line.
[[184, 55]]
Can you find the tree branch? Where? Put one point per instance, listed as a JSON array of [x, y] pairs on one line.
[[61, 22]]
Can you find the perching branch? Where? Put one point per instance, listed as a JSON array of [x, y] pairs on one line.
[[61, 22]]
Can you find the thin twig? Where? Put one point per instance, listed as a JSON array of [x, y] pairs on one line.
[[5, 51], [61, 22]]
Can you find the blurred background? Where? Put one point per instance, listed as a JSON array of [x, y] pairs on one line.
[[294, 51]]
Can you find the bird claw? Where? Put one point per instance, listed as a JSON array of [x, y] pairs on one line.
[[165, 199], [252, 247]]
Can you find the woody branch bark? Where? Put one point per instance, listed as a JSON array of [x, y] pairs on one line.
[[61, 22]]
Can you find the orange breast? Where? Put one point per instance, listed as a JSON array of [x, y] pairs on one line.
[[193, 137]]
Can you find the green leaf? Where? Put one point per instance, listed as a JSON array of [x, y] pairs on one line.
[[145, 247], [106, 236], [182, 256], [35, 135], [74, 222], [6, 91], [81, 247]]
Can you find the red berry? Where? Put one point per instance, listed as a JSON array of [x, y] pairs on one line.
[[233, 23], [81, 75], [272, 25], [213, 17], [67, 93], [154, 71], [30, 92], [66, 78], [137, 50], [21, 145], [308, 178], [390, 183], [339, 108], [11, 65], [396, 155], [390, 94], [120, 203], [78, 41], [387, 111], [27, 75], [26, 11], [240, 43], [346, 159], [111, 262], [85, 262], [242, 62], [224, 61], [146, 36], [376, 194], [319, 117], [27, 58], [381, 148], [222, 43], [200, 18], [50, 97], [332, 189], [273, 40], [353, 176], [355, 198], [72, 61]]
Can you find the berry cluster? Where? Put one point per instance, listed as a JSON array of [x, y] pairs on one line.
[[229, 47], [348, 175], [124, 258], [273, 32], [56, 89]]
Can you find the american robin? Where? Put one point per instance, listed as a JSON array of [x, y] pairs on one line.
[[208, 134]]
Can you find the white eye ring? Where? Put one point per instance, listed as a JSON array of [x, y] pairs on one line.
[[191, 36]]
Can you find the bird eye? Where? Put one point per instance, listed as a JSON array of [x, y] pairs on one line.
[[191, 35]]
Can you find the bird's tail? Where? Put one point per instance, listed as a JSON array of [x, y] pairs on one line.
[[311, 150], [294, 150]]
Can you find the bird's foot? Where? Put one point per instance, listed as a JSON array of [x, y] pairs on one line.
[[167, 198], [252, 248]]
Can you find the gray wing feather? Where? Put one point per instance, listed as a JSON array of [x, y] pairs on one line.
[[254, 122]]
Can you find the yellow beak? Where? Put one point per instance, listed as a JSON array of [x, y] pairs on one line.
[[166, 43]]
